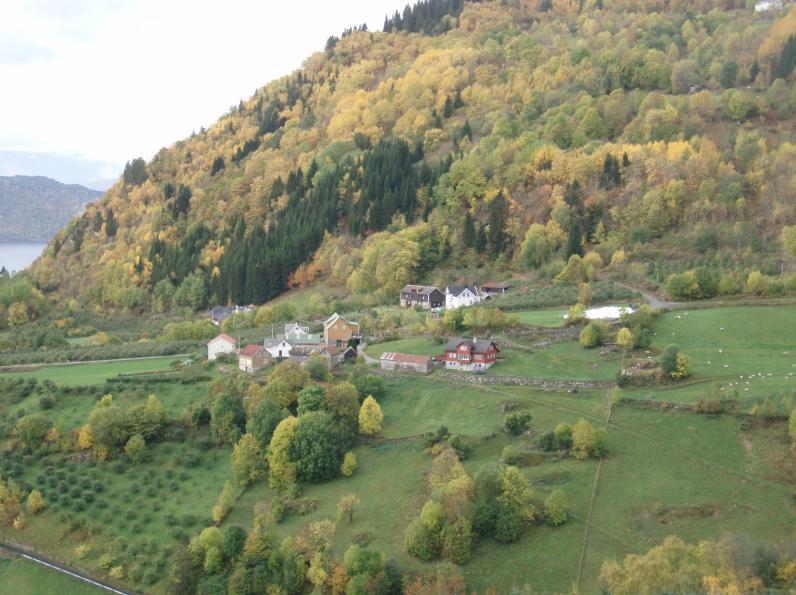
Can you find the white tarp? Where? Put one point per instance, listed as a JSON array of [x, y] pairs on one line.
[[607, 312]]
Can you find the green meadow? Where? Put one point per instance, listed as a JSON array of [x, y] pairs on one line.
[[94, 373], [23, 577]]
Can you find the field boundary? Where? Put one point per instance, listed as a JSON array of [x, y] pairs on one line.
[[584, 543]]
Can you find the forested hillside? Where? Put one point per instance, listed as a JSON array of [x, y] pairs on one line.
[[36, 208], [658, 135]]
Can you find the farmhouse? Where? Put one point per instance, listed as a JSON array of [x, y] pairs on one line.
[[339, 331], [422, 296], [221, 344], [457, 296], [476, 355], [405, 363], [253, 358], [495, 288]]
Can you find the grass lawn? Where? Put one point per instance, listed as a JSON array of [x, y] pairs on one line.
[[550, 318], [91, 374], [560, 361], [23, 577]]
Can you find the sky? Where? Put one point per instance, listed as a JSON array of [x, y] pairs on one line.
[[108, 80]]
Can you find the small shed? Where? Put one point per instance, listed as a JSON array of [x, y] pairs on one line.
[[420, 364]]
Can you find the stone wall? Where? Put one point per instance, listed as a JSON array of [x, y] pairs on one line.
[[545, 384]]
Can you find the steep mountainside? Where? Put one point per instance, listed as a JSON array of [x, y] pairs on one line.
[[36, 208], [514, 132]]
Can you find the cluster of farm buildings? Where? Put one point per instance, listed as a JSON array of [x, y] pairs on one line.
[[340, 338], [336, 345]]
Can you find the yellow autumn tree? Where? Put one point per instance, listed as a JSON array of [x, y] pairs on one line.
[[370, 417]]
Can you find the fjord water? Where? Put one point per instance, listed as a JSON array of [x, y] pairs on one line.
[[15, 256]]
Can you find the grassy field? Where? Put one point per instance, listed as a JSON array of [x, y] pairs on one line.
[[92, 374], [549, 318], [560, 361], [752, 358], [23, 577], [695, 476]]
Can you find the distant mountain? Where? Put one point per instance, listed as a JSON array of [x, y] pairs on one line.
[[35, 207], [69, 169]]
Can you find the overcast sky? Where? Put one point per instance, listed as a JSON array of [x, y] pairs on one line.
[[110, 80]]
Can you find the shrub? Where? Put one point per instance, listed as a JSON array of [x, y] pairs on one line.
[[457, 541], [509, 525], [593, 334], [349, 464], [709, 406], [556, 508], [421, 541], [563, 434], [516, 423], [464, 450], [548, 441]]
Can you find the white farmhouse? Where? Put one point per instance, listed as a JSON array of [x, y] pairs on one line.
[[221, 344], [457, 296]]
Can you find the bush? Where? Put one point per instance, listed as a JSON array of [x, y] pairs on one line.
[[563, 434], [421, 541], [46, 402], [516, 423], [463, 450], [593, 334], [556, 508], [508, 525], [709, 406], [457, 541], [548, 441]]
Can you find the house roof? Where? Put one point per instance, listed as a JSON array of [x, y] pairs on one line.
[[476, 345], [295, 327], [419, 289], [250, 350], [492, 285], [273, 342], [457, 290], [223, 337], [405, 358], [334, 318]]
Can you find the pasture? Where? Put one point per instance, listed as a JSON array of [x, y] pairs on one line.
[[94, 373], [549, 318], [23, 577]]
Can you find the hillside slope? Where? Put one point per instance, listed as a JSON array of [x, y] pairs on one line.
[[36, 208], [513, 133]]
